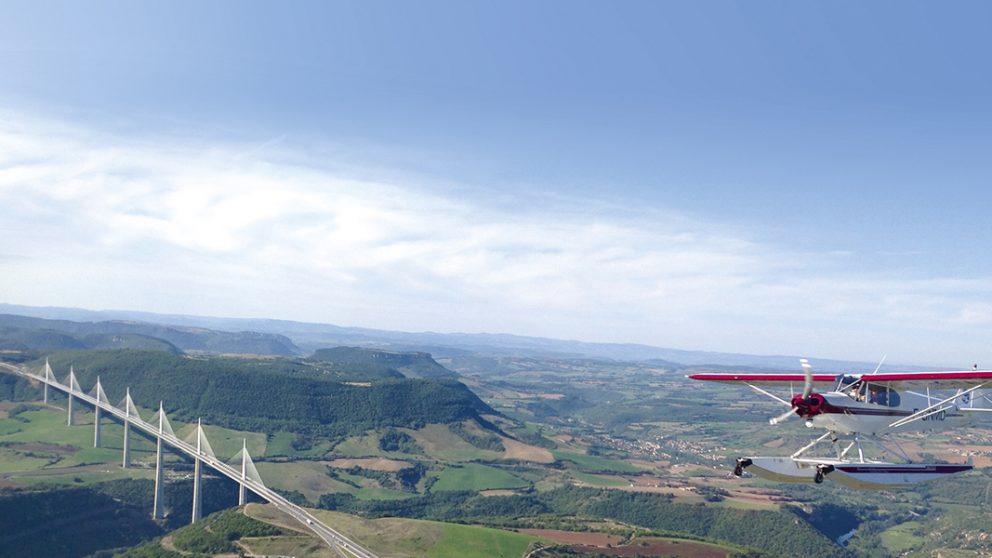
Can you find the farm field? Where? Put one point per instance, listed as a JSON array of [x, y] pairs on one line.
[[595, 464], [900, 538], [409, 538], [602, 544], [473, 476]]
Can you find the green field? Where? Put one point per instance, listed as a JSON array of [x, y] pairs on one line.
[[281, 444], [594, 464], [11, 460], [48, 425], [288, 546], [465, 540], [599, 480], [39, 439], [901, 538], [439, 442], [359, 446], [432, 539], [473, 476], [70, 477], [307, 477]]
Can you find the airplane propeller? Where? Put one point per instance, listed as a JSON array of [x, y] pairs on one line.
[[808, 370], [798, 401], [783, 416]]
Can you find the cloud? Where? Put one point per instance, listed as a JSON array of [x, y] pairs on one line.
[[179, 225]]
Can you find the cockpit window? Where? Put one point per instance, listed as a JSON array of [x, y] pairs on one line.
[[881, 395], [849, 385]]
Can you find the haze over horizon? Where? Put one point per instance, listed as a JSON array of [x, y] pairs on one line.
[[760, 178]]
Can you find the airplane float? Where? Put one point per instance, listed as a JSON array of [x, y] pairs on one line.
[[862, 408]]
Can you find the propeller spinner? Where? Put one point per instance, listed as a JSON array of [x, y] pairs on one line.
[[806, 404]]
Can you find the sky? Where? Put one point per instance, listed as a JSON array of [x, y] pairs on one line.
[[760, 177]]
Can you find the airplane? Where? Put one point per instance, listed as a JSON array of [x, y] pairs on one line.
[[864, 408]]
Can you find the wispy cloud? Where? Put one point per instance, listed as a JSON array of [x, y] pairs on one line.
[[159, 224]]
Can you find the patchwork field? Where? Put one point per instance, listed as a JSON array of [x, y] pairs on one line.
[[901, 538], [371, 463], [473, 476], [656, 546], [408, 538], [595, 464], [440, 442], [307, 477], [38, 447]]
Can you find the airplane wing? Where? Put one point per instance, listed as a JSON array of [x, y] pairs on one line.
[[936, 380], [763, 379]]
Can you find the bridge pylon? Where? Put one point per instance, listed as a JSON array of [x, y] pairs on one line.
[[242, 461], [198, 474], [101, 397], [158, 506], [49, 376], [73, 387], [130, 411], [242, 496]]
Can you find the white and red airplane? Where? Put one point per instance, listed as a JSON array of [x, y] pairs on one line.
[[864, 408]]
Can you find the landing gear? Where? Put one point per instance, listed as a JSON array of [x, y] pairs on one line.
[[742, 463], [821, 471]]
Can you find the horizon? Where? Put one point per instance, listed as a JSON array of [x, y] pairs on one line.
[[765, 179], [54, 313]]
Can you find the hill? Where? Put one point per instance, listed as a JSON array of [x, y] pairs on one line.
[[269, 395]]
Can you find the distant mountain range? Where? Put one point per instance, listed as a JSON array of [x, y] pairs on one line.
[[282, 337], [30, 332]]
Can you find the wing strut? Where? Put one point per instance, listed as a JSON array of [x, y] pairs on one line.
[[933, 409], [772, 395]]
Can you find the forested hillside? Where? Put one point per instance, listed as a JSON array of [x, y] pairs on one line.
[[269, 395], [378, 363], [70, 523]]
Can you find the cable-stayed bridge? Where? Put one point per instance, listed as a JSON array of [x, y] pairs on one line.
[[241, 469]]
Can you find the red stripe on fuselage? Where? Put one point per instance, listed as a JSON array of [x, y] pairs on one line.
[[881, 411], [762, 377], [928, 376]]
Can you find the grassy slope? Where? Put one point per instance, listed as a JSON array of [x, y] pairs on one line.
[[901, 538], [595, 464], [434, 539], [473, 476]]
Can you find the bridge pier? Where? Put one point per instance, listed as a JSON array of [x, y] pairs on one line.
[[96, 427], [126, 459], [48, 375], [158, 508], [73, 386], [242, 496], [197, 476], [97, 411]]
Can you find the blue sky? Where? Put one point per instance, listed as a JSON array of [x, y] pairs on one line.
[[768, 177]]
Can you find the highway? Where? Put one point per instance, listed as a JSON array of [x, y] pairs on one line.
[[344, 546]]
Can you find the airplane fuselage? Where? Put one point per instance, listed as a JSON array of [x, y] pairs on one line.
[[847, 414]]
